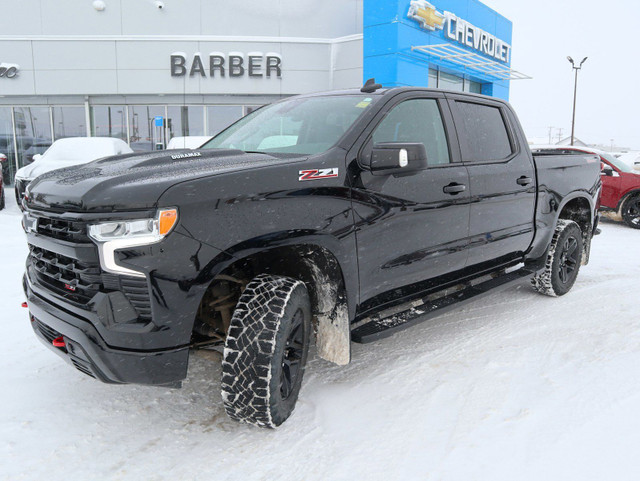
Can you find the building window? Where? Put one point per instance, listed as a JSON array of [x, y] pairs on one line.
[[6, 145], [442, 80], [450, 82], [33, 132], [145, 135], [184, 121], [109, 121], [473, 87], [433, 79], [219, 117], [69, 122]]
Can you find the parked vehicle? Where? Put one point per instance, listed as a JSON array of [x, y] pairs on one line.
[[39, 146], [620, 183], [191, 142], [632, 159], [66, 153], [2, 198], [4, 166], [370, 211]]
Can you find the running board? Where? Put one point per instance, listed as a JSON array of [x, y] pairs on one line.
[[390, 321]]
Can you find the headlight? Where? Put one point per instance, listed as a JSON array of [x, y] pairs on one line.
[[111, 236]]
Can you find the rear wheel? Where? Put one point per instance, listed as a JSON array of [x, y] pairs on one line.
[[564, 257], [266, 351], [631, 211]]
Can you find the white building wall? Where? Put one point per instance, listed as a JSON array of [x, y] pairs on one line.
[[67, 47]]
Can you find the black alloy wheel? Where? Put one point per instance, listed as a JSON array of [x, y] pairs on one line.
[[292, 355], [631, 212], [563, 260], [569, 259]]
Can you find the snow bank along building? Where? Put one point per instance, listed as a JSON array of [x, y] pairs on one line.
[[146, 71]]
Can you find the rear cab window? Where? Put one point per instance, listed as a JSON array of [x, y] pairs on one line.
[[485, 130]]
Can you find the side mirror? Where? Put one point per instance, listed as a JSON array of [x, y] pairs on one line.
[[36, 157], [397, 158], [606, 170]]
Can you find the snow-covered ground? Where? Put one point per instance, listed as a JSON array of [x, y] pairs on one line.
[[514, 387]]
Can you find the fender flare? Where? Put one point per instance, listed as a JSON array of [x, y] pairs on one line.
[[332, 288]]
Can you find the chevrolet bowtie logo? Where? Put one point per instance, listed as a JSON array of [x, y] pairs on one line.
[[426, 14]]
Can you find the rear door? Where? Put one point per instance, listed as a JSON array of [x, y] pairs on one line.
[[502, 179], [411, 228]]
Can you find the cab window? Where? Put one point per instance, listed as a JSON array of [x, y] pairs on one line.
[[416, 120]]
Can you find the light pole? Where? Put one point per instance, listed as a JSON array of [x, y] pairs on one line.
[[575, 90]]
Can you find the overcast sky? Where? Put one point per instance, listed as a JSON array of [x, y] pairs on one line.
[[544, 33]]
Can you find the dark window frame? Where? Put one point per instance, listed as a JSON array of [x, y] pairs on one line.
[[464, 137], [446, 116]]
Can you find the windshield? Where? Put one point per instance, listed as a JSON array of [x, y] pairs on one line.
[[617, 163], [302, 125]]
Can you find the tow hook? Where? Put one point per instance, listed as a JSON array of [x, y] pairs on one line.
[[58, 342]]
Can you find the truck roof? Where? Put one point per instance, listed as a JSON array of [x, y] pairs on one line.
[[396, 90]]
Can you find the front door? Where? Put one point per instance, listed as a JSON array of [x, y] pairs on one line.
[[415, 227]]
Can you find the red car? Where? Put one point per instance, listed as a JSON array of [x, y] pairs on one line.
[[620, 183]]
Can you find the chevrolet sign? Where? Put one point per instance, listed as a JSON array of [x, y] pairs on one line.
[[458, 30]]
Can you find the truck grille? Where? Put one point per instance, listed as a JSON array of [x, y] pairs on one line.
[[63, 229], [77, 281]]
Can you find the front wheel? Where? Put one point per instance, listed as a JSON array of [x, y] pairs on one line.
[[631, 211], [564, 257], [266, 351]]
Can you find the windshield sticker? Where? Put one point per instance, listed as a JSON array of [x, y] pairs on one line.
[[315, 174], [364, 103]]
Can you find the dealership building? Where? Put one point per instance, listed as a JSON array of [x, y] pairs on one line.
[[146, 71]]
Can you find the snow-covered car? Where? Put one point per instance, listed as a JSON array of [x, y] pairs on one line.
[[191, 142], [65, 153], [632, 159], [39, 146]]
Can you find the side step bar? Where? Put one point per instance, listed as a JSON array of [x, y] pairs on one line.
[[390, 321]]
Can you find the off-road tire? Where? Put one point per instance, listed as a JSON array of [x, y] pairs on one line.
[[564, 257], [630, 211], [259, 344]]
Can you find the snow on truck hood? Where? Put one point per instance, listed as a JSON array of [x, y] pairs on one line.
[[73, 151], [135, 181]]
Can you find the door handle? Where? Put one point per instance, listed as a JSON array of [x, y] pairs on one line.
[[453, 188], [524, 180]]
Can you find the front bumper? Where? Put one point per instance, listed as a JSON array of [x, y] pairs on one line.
[[89, 353]]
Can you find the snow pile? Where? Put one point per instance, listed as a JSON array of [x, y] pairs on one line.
[[517, 386]]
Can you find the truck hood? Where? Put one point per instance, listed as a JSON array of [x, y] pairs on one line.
[[41, 166], [134, 181]]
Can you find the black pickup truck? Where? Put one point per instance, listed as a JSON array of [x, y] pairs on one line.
[[341, 216]]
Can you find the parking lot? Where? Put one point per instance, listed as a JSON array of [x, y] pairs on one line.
[[516, 386]]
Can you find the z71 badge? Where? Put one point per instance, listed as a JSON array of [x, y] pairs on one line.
[[315, 174]]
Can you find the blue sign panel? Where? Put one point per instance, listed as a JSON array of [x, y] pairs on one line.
[[158, 121], [437, 44]]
